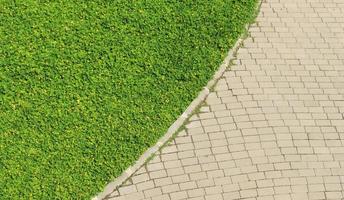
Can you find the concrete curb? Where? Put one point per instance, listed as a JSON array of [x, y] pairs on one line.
[[177, 124]]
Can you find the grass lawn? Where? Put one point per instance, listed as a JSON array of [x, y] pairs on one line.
[[87, 86]]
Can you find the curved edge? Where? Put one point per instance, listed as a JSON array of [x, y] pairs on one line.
[[173, 129]]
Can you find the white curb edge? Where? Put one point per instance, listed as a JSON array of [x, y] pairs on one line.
[[112, 186]]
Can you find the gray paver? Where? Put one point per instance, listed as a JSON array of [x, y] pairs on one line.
[[273, 128]]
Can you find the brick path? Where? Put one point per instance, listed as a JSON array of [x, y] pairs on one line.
[[273, 127]]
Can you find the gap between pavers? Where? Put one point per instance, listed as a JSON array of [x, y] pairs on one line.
[[182, 119]]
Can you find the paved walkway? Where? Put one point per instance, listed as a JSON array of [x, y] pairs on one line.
[[273, 128]]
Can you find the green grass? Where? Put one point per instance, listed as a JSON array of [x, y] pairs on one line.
[[87, 86]]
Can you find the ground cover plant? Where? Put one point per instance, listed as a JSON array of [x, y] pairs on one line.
[[87, 86]]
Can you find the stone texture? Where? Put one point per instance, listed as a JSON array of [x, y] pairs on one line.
[[273, 128]]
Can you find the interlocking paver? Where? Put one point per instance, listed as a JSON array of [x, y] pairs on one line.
[[273, 128]]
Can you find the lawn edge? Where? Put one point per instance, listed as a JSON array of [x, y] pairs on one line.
[[182, 119]]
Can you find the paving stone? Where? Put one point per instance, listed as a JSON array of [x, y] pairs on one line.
[[273, 128]]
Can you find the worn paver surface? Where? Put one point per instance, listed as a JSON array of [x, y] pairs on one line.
[[273, 128]]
